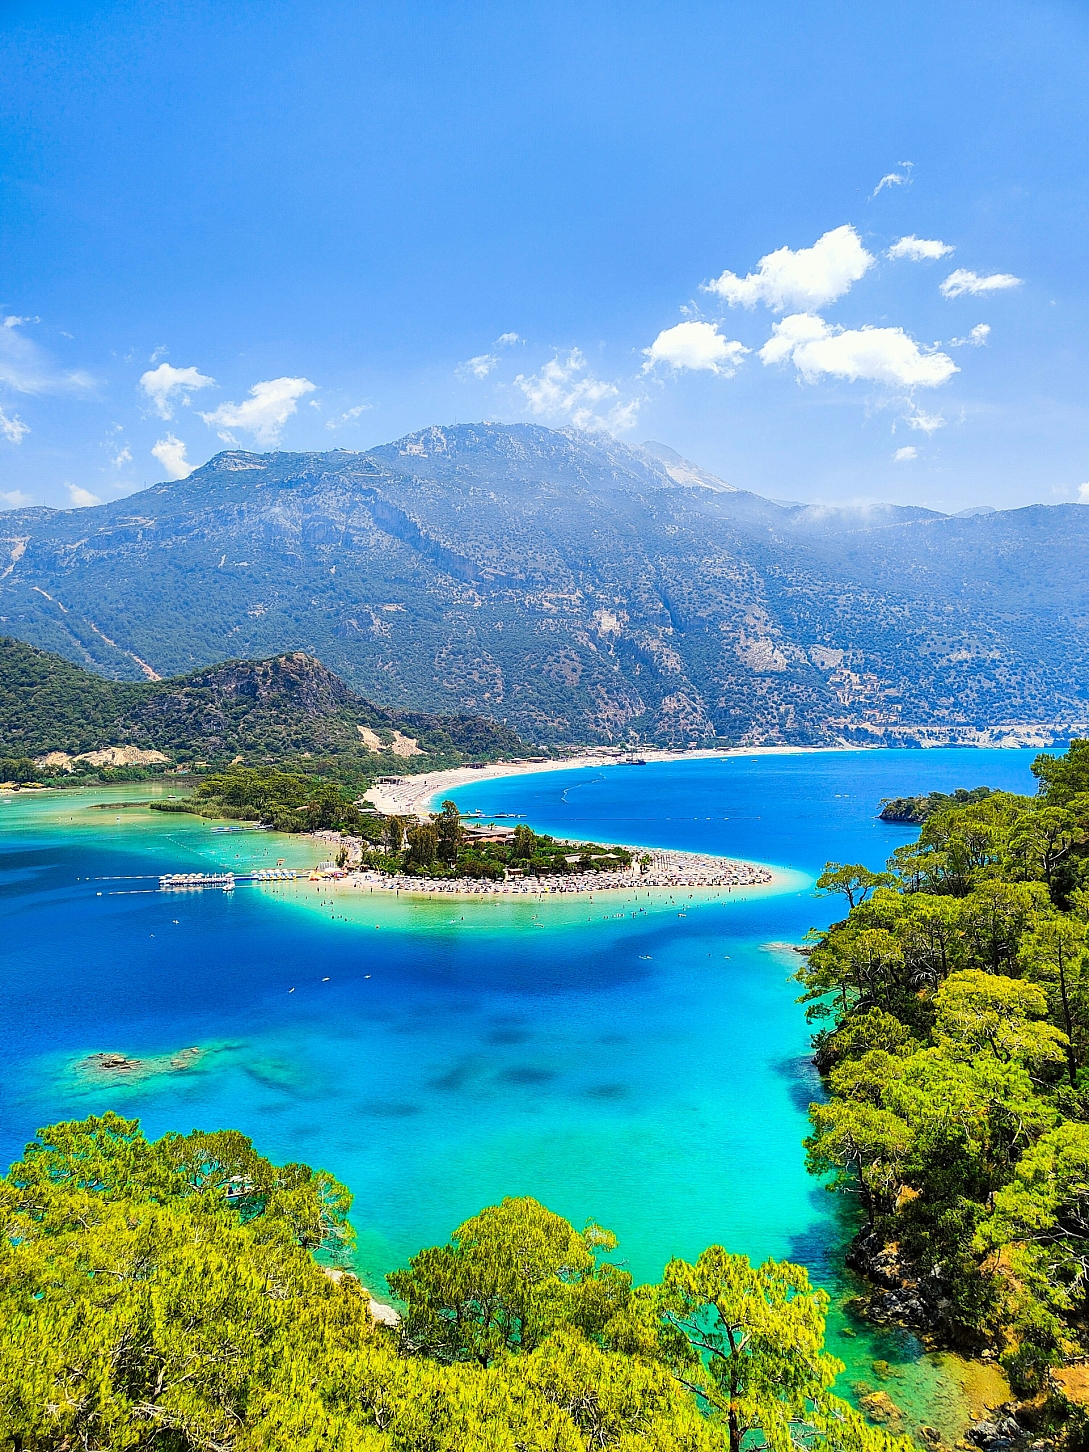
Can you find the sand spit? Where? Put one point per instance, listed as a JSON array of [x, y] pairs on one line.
[[412, 795], [665, 869]]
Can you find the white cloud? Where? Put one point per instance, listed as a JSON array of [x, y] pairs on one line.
[[904, 455], [265, 412], [919, 249], [976, 338], [485, 363], [895, 178], [792, 333], [1083, 493], [478, 367], [927, 423], [879, 355], [13, 428], [24, 367], [16, 499], [13, 322], [695, 346], [349, 416], [170, 453], [620, 418], [165, 384], [563, 389], [962, 281], [81, 498], [808, 278], [122, 457]]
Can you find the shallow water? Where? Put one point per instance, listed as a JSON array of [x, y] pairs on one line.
[[637, 1059]]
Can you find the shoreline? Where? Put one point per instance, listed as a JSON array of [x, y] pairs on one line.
[[668, 870], [413, 795]]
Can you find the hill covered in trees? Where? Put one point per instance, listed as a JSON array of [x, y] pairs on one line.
[[578, 589], [915, 810], [953, 1001], [289, 707], [187, 1294]]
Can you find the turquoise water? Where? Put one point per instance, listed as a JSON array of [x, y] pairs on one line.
[[639, 1059]]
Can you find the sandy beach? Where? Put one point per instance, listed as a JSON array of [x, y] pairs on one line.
[[416, 795], [666, 869], [411, 796]]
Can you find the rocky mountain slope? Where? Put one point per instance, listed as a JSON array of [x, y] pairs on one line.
[[575, 588], [289, 706]]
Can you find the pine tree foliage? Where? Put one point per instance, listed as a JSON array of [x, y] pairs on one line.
[[188, 1295], [954, 1004]]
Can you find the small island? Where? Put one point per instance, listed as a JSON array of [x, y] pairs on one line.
[[913, 811], [113, 1067]]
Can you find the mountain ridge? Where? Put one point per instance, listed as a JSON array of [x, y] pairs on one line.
[[568, 584]]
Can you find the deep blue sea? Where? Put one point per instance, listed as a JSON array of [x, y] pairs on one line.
[[639, 1059]]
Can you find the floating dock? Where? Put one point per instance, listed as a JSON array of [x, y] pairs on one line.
[[186, 881], [224, 881]]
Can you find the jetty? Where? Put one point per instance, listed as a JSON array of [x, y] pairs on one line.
[[186, 881], [224, 881]]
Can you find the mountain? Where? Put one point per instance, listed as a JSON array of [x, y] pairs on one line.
[[577, 589], [683, 471], [288, 706]]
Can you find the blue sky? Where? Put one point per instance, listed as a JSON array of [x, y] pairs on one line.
[[313, 226]]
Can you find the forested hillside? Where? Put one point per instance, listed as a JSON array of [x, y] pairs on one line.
[[576, 589], [954, 1005], [265, 710]]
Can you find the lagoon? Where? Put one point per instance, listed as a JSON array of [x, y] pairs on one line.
[[639, 1059]]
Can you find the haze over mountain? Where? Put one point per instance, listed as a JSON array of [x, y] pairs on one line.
[[576, 588]]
